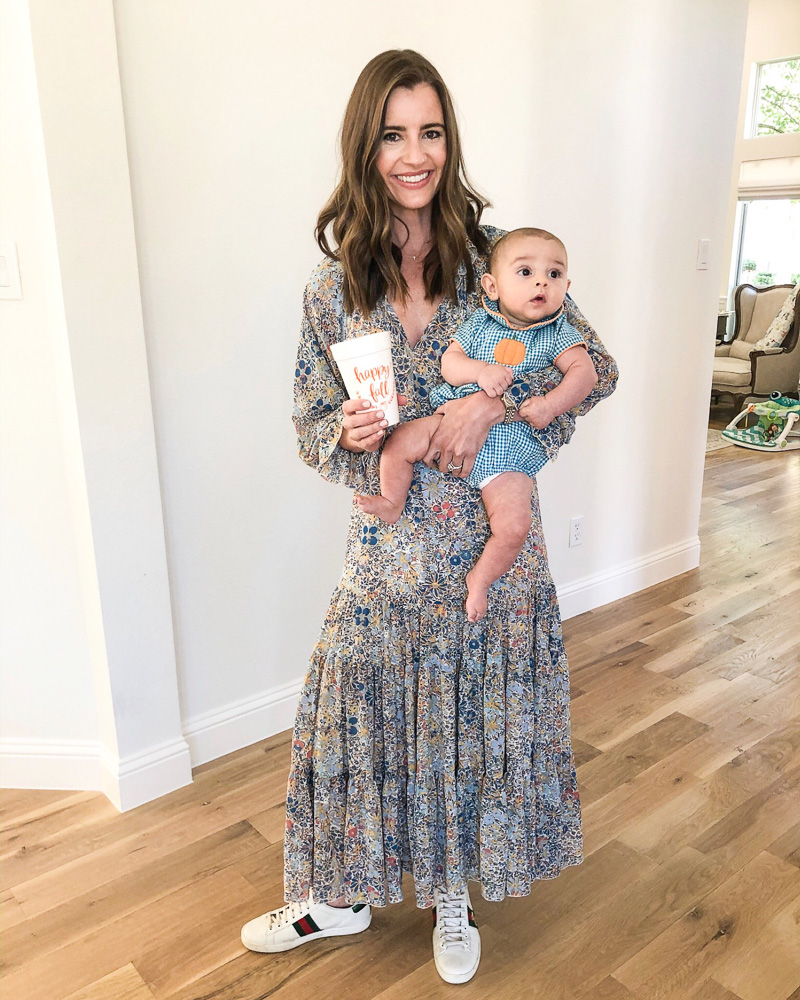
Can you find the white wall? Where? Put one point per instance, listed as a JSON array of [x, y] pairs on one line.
[[773, 32], [641, 182], [231, 114], [85, 318], [43, 641]]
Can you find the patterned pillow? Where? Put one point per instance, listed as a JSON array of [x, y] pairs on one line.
[[780, 326]]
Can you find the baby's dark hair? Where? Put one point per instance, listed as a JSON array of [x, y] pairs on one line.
[[541, 234]]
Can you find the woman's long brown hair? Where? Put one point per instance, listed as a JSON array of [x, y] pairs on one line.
[[359, 210]]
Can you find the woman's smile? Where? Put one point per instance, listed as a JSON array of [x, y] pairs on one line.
[[413, 180]]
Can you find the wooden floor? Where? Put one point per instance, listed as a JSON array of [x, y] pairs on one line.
[[686, 725]]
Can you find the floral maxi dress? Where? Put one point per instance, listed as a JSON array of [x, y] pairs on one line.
[[424, 743]]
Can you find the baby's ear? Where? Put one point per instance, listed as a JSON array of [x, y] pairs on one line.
[[489, 285], [569, 282]]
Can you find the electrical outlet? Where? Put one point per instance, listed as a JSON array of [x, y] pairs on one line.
[[576, 531]]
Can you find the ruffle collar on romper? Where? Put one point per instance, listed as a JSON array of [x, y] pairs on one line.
[[490, 308]]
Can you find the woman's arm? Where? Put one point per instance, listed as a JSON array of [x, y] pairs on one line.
[[604, 365], [462, 431], [334, 435]]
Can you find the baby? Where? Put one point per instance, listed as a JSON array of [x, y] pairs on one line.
[[520, 328]]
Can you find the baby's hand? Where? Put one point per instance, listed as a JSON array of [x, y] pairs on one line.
[[495, 379], [537, 412]]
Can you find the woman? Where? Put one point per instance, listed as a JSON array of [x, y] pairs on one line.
[[423, 743]]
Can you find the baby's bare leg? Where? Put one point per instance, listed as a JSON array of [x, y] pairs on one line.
[[508, 503], [409, 443]]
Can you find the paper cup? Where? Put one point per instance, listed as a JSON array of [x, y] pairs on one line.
[[366, 367]]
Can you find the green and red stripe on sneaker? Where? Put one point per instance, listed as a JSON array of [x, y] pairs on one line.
[[306, 925]]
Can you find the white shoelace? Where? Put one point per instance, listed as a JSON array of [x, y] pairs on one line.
[[287, 915], [452, 921]]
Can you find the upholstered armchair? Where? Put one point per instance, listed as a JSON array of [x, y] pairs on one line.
[[739, 369]]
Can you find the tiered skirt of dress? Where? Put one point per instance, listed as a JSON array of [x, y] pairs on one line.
[[424, 743]]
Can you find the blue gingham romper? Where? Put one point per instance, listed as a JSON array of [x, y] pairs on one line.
[[511, 447]]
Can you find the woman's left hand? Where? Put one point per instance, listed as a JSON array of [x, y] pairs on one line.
[[462, 432]]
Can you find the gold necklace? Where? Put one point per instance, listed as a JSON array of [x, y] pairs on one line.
[[414, 256]]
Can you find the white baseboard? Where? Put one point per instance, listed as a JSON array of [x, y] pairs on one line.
[[142, 777], [56, 764], [86, 766], [627, 578], [241, 723]]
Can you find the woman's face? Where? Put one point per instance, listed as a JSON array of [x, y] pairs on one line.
[[413, 147]]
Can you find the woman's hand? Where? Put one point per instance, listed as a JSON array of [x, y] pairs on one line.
[[364, 427], [462, 432]]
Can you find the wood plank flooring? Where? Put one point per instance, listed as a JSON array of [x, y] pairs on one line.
[[686, 727]]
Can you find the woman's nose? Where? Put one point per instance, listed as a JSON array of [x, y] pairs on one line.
[[414, 153]]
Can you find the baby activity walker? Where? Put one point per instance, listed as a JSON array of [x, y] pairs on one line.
[[773, 428]]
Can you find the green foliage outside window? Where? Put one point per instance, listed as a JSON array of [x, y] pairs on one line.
[[779, 98], [764, 278]]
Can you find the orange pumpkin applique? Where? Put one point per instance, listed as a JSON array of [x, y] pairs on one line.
[[509, 351]]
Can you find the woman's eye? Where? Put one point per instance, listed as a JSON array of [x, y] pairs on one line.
[[434, 133], [391, 136]]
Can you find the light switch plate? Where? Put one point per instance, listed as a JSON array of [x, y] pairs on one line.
[[703, 253], [10, 284]]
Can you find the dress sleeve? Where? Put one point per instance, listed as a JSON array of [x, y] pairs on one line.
[[604, 364], [558, 433], [318, 397], [464, 335]]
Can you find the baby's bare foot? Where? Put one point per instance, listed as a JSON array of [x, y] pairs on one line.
[[380, 507], [477, 599]]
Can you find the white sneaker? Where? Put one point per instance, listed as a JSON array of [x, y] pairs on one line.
[[456, 941], [295, 923]]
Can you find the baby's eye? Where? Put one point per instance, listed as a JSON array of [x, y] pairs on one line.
[[554, 273], [391, 136], [525, 272]]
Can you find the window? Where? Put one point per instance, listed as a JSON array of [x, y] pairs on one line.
[[776, 104], [768, 250]]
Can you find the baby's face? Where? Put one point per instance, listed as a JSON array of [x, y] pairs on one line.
[[528, 280]]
